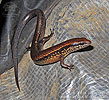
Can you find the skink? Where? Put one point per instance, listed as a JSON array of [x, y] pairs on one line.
[[50, 55]]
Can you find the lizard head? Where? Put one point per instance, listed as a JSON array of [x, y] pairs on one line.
[[80, 43]]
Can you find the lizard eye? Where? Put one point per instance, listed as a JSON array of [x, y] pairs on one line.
[[82, 43]]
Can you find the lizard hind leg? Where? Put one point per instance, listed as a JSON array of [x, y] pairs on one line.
[[45, 39]]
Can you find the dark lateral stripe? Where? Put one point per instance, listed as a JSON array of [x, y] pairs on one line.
[[55, 52]]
